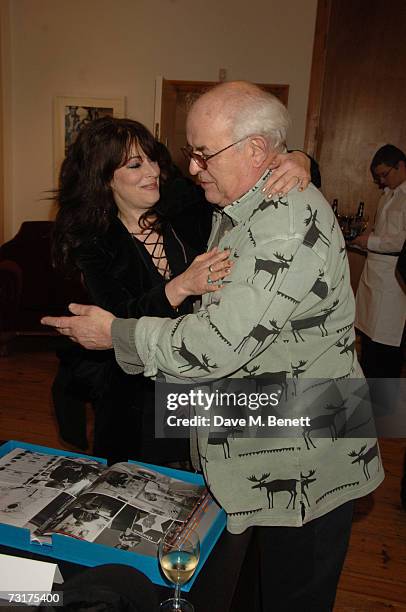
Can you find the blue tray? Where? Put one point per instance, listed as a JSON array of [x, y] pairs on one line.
[[91, 554]]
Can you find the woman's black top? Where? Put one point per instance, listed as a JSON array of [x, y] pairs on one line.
[[120, 276]]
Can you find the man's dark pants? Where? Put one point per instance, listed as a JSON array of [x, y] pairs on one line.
[[300, 566]]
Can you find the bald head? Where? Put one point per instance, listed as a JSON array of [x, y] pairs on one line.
[[238, 128], [244, 109]]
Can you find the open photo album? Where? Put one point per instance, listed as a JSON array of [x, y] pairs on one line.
[[126, 506]]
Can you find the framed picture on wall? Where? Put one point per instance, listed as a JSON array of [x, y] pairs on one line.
[[71, 114]]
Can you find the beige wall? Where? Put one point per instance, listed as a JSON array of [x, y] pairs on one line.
[[101, 48], [1, 129], [5, 117]]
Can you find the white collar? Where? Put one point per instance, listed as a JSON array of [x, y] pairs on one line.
[[401, 187]]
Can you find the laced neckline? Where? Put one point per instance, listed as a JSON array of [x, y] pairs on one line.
[[154, 243]]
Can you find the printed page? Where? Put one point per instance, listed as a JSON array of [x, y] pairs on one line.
[[128, 507], [34, 486]]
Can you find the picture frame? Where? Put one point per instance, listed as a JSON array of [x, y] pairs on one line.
[[71, 113]]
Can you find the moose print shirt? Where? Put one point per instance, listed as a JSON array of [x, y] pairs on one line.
[[286, 313]]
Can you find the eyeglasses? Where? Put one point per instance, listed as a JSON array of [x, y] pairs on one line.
[[201, 159], [378, 177]]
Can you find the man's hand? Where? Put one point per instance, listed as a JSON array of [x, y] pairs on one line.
[[289, 170], [90, 327]]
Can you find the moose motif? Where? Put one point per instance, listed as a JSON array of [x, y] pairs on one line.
[[296, 371], [271, 267], [347, 348], [304, 484], [267, 203], [320, 287], [259, 333], [366, 458], [288, 485], [224, 443], [313, 234], [316, 321], [323, 421], [192, 360]]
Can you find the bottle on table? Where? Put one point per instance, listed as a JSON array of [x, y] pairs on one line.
[[360, 211], [361, 219], [335, 206]]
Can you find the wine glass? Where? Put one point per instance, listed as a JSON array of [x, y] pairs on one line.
[[179, 552]]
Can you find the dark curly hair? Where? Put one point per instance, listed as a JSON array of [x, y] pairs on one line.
[[86, 206]]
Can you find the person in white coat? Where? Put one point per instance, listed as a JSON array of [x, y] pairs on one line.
[[380, 301]]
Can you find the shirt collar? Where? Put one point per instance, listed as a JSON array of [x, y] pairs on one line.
[[241, 209], [401, 187]]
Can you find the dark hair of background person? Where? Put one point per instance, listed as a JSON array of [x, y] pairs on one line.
[[84, 197], [388, 155], [315, 172]]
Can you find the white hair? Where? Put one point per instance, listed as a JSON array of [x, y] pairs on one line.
[[255, 111]]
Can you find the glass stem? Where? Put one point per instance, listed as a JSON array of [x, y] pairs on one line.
[[177, 596]]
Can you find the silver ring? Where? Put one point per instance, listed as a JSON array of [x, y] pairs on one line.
[[209, 281], [211, 269]]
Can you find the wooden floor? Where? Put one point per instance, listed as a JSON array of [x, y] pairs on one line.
[[374, 576]]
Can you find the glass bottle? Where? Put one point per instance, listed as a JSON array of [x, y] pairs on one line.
[[360, 211]]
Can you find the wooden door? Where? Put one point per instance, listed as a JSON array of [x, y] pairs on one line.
[[1, 133], [359, 86]]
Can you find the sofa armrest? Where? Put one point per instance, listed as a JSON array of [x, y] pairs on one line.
[[10, 299]]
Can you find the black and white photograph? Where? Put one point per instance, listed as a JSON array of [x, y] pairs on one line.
[[88, 516], [151, 526], [169, 498], [119, 533], [70, 475], [127, 531], [20, 465], [55, 508], [19, 504], [120, 483]]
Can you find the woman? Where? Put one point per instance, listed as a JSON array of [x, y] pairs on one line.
[[131, 248], [113, 229]]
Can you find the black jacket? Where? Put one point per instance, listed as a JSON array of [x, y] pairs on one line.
[[120, 276]]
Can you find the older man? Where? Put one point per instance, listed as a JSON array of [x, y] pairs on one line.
[[287, 310]]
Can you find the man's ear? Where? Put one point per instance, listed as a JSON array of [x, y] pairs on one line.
[[259, 150]]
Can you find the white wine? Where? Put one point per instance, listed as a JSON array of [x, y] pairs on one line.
[[178, 566]]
